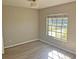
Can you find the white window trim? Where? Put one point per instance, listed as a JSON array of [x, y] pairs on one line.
[[47, 26]]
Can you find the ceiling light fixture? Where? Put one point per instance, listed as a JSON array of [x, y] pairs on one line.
[[32, 3]]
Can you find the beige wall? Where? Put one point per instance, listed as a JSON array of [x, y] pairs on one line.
[[69, 9], [19, 25], [22, 24]]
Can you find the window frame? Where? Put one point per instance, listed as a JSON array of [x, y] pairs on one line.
[[59, 39]]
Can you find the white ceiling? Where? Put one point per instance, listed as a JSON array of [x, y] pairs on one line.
[[40, 3]]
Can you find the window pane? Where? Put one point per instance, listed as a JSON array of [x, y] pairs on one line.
[[59, 22], [50, 28], [64, 36], [58, 29], [64, 29], [58, 35], [65, 21], [49, 33], [50, 21], [53, 28], [53, 34], [54, 21]]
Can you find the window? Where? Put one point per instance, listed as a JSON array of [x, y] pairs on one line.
[[57, 27]]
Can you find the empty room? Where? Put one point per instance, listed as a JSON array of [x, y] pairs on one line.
[[39, 29]]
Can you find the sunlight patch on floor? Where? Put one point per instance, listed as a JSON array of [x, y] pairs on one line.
[[57, 55]]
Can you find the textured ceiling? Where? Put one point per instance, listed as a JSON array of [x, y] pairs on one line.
[[39, 3]]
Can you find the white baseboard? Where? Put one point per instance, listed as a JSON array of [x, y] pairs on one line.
[[2, 51], [21, 43], [42, 41], [59, 47], [2, 48]]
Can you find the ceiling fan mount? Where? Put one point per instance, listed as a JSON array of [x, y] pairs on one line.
[[33, 3], [32, 0]]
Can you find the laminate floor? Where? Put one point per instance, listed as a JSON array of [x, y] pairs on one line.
[[36, 50]]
